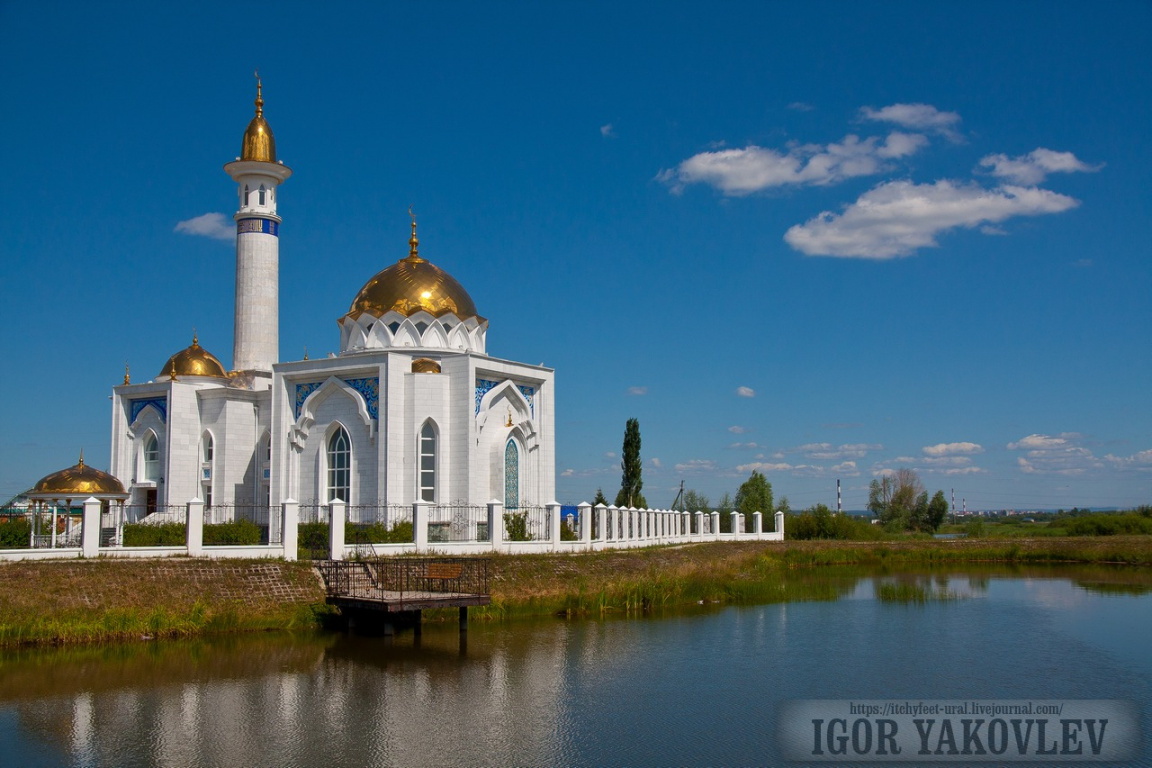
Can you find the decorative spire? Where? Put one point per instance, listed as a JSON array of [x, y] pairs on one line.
[[195, 339], [259, 95], [81, 464], [413, 242], [127, 378], [172, 375], [509, 422], [305, 352]]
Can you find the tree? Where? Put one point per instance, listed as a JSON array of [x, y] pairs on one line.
[[630, 465], [599, 498], [724, 507], [754, 495], [785, 507], [937, 510], [696, 502], [893, 498]]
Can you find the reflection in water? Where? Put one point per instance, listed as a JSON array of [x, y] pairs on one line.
[[694, 687]]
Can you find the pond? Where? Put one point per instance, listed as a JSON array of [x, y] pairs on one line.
[[700, 686]]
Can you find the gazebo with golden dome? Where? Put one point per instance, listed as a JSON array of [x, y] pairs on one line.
[[56, 494]]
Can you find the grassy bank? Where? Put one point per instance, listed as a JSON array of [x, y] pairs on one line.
[[79, 601], [102, 600]]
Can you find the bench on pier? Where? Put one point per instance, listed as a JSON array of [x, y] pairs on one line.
[[443, 571]]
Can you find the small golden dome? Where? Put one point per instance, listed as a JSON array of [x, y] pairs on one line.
[[425, 365], [259, 143], [193, 361], [77, 481], [411, 285]]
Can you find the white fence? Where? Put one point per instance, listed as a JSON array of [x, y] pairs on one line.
[[422, 527]]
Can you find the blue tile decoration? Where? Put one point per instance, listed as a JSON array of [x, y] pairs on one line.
[[484, 386], [265, 226], [368, 388], [159, 403]]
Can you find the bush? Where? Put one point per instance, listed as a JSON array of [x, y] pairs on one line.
[[566, 533], [312, 537], [149, 535], [819, 523], [974, 528], [15, 533], [516, 526], [1108, 525], [237, 532], [377, 533]]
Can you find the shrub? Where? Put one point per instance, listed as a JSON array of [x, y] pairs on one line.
[[1108, 525], [516, 526], [149, 535], [567, 533], [377, 533], [818, 522], [15, 533], [312, 537], [237, 532]]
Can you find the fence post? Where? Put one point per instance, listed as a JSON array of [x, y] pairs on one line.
[[553, 508], [780, 523], [715, 525], [90, 532], [336, 513], [194, 528], [699, 517], [601, 522], [734, 522], [757, 523], [584, 512], [420, 524], [290, 528], [496, 524]]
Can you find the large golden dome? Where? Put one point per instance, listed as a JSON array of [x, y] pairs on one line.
[[76, 481], [411, 285], [193, 361], [259, 143]]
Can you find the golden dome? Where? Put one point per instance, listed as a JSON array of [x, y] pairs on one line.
[[76, 481], [259, 143], [193, 361], [425, 365], [411, 285]]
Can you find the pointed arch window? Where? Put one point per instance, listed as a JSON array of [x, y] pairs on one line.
[[339, 466], [263, 192], [428, 462], [511, 475], [151, 458], [207, 451]]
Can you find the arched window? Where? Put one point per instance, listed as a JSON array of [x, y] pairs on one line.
[[428, 462], [206, 469], [151, 458], [511, 475], [262, 192], [245, 202], [339, 466]]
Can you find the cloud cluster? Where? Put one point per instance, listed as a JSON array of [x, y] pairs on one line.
[[745, 392], [696, 465], [898, 217], [920, 117], [637, 390], [1063, 454], [844, 469], [1034, 167], [738, 172], [214, 225], [1141, 462], [828, 452], [953, 449]]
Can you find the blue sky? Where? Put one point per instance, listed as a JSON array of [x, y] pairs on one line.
[[819, 239]]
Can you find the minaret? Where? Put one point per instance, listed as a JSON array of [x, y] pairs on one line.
[[256, 343]]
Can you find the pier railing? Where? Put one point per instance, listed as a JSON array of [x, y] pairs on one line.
[[398, 578]]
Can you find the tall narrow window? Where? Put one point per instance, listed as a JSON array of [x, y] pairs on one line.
[[511, 475], [262, 193], [339, 466], [206, 471], [151, 458], [428, 462]]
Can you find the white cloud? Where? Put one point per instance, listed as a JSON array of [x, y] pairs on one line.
[[1141, 461], [568, 473], [847, 468], [637, 390], [896, 218], [607, 131], [952, 449], [921, 117], [214, 225], [1061, 455], [697, 465], [801, 106], [760, 466], [737, 429], [656, 463], [828, 452], [737, 172], [745, 391], [609, 455], [744, 446], [1035, 166]]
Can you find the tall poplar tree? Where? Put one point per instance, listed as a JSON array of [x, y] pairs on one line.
[[631, 466]]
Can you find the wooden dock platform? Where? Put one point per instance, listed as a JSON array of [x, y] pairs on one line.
[[403, 584]]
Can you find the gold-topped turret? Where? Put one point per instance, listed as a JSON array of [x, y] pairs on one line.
[[413, 242], [193, 361], [259, 143], [77, 482]]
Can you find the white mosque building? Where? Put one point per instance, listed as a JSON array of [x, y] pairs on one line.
[[412, 409]]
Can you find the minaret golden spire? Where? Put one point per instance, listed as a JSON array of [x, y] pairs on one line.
[[81, 458], [195, 339], [172, 375], [127, 378], [259, 96], [413, 242]]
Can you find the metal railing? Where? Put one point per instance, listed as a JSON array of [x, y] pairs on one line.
[[527, 524], [394, 579], [457, 522]]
